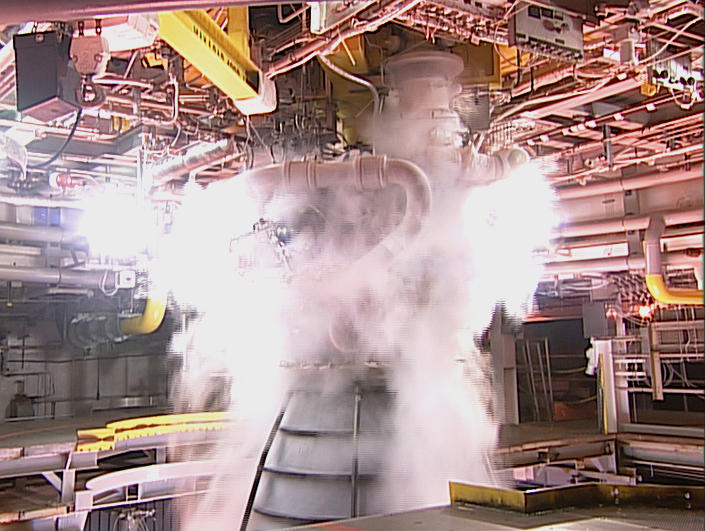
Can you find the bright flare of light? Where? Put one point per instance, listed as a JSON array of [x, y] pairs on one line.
[[239, 333], [645, 312], [234, 347], [506, 224], [118, 225], [198, 260]]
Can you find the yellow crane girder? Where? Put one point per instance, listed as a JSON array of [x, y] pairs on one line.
[[225, 61]]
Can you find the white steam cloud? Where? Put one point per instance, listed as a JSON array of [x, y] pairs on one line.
[[417, 315]]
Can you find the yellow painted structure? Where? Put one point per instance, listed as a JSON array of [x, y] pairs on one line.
[[101, 439], [225, 61], [662, 293], [148, 322]]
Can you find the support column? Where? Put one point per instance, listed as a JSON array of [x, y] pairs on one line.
[[504, 370], [68, 484], [615, 397]]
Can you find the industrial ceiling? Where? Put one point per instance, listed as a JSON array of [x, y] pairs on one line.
[[116, 115]]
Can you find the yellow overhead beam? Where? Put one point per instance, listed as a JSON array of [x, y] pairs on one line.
[[239, 28], [222, 59]]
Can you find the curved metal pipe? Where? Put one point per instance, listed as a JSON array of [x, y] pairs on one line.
[[354, 79], [662, 293], [654, 274], [148, 322], [88, 330], [328, 42], [365, 173]]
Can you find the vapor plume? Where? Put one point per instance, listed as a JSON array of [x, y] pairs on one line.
[[296, 295]]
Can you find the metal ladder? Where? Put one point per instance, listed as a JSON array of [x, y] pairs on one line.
[[537, 370], [279, 474]]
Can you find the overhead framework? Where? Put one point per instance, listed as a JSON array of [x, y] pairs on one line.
[[151, 102], [14, 12], [200, 40]]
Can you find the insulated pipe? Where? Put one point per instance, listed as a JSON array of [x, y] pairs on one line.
[[619, 263], [365, 173], [88, 330], [194, 159], [57, 277], [39, 202], [482, 169], [624, 224], [37, 233], [617, 238], [631, 183], [354, 79], [148, 322], [654, 274]]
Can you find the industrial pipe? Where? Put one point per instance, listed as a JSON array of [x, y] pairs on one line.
[[365, 173], [89, 330], [92, 329], [354, 79], [631, 183], [624, 224], [41, 202], [654, 274], [57, 277], [148, 322], [37, 233], [194, 159], [618, 263], [617, 238]]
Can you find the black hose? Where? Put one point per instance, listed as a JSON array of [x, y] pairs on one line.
[[260, 466], [61, 150]]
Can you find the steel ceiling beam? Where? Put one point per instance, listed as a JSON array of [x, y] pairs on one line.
[[18, 11]]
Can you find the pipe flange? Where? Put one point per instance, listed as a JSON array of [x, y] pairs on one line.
[[297, 174], [370, 172]]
